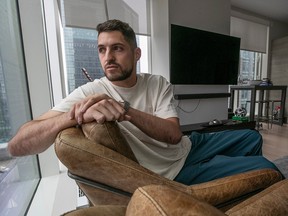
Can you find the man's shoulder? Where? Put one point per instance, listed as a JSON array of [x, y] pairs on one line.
[[96, 86], [151, 77]]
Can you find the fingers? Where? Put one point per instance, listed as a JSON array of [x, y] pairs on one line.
[[91, 100], [99, 108], [77, 110], [105, 110], [71, 113], [75, 113]]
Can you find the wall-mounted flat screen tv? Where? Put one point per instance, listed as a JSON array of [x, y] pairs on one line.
[[203, 58]]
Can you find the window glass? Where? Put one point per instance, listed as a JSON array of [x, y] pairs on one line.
[[250, 69], [249, 66], [19, 177], [81, 52]]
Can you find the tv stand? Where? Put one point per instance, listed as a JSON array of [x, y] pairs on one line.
[[201, 96], [227, 125]]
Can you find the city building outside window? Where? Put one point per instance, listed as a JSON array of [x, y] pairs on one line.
[[249, 69]]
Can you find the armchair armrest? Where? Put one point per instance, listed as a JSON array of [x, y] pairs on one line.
[[271, 201], [236, 187]]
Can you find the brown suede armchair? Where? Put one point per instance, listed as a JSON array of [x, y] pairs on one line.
[[103, 165]]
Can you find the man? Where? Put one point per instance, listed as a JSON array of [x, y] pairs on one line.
[[149, 123]]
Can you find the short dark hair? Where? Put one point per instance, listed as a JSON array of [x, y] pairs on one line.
[[117, 25]]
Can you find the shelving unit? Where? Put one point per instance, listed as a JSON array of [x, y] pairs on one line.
[[261, 100]]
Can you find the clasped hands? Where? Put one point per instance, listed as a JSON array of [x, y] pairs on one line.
[[99, 108]]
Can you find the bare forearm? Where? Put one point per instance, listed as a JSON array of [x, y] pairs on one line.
[[160, 129], [37, 135]]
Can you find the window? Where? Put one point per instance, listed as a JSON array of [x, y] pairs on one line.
[[250, 69], [19, 177], [254, 41], [80, 52], [250, 66]]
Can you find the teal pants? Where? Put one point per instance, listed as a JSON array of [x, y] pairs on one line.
[[219, 154]]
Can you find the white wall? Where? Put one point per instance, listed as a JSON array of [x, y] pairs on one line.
[[160, 38], [209, 15], [277, 30]]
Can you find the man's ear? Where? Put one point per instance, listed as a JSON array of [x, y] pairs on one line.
[[137, 53]]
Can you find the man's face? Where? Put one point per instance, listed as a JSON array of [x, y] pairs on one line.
[[117, 58]]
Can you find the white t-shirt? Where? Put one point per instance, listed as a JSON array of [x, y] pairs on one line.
[[151, 94]]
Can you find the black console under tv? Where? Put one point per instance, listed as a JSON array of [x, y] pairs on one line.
[[203, 58]]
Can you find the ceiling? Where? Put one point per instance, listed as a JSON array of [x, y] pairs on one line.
[[273, 9]]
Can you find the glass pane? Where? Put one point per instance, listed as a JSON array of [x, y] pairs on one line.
[[249, 70], [81, 52], [247, 66], [19, 177]]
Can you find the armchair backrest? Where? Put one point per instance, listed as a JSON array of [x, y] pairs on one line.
[[103, 163]]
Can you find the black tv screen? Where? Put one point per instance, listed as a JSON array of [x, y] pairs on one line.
[[203, 58]]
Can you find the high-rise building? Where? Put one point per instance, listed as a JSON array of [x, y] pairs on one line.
[[81, 52], [5, 126]]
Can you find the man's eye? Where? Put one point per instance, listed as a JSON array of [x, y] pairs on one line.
[[101, 50], [118, 48]]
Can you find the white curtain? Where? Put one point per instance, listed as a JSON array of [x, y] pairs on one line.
[[89, 13], [253, 35]]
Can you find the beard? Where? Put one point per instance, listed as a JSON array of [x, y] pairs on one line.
[[123, 75]]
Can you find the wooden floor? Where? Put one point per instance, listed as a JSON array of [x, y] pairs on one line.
[[275, 141]]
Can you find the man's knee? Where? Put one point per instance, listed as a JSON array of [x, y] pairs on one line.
[[254, 136]]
